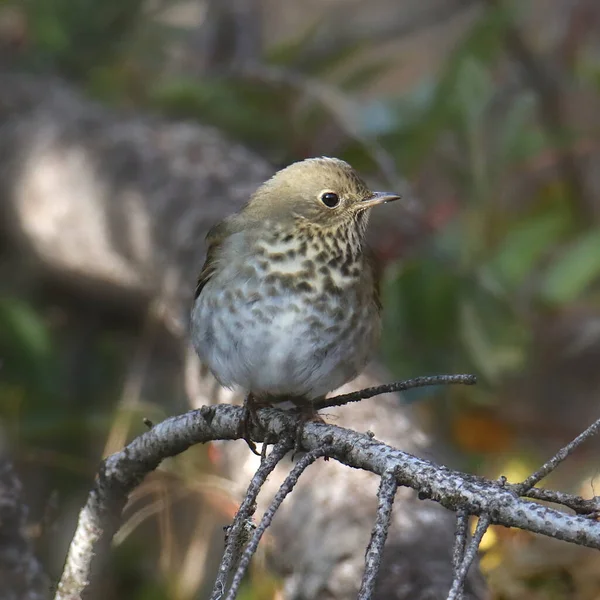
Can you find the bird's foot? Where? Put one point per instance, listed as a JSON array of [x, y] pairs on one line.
[[249, 421], [307, 414]]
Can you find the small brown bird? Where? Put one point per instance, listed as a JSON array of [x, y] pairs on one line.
[[287, 303]]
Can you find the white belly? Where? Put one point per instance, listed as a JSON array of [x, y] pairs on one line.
[[281, 345]]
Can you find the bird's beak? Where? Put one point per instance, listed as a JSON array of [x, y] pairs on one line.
[[379, 198]]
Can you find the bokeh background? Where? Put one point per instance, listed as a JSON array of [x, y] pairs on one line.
[[484, 113]]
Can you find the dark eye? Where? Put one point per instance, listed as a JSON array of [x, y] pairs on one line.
[[330, 199]]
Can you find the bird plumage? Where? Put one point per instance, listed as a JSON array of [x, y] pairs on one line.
[[287, 302]]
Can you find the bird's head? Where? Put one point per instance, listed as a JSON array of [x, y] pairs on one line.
[[324, 192]]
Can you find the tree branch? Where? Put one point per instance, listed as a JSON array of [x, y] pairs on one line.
[[123, 471], [460, 539], [559, 457], [399, 386], [235, 534], [468, 556], [386, 495], [581, 506], [284, 490]]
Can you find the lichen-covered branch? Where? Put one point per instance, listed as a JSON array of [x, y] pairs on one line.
[[460, 540], [285, 489], [235, 534], [559, 457], [469, 554], [386, 495], [464, 555], [123, 471], [399, 386]]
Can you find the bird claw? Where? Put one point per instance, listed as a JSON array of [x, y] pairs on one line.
[[307, 415], [249, 420]]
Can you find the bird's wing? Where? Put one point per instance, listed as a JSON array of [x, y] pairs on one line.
[[214, 239]]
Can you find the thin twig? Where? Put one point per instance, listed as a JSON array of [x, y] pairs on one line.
[[244, 513], [578, 504], [399, 386], [561, 455], [286, 487], [460, 539], [386, 495], [458, 582]]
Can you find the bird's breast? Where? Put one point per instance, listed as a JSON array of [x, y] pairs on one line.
[[289, 317], [313, 266]]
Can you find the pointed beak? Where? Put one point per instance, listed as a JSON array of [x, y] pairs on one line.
[[379, 198]]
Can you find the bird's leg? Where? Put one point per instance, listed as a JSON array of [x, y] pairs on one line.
[[249, 420], [307, 414]]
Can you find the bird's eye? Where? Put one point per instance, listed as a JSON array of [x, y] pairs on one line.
[[330, 199]]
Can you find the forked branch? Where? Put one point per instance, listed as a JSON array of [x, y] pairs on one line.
[[494, 502], [385, 495]]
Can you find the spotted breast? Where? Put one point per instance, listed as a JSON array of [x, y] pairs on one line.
[[288, 314]]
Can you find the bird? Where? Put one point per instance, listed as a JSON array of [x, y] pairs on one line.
[[287, 305]]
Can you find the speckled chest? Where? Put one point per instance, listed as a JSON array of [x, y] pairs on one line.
[[295, 314]]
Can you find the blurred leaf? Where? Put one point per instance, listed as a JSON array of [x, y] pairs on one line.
[[514, 127], [27, 355], [49, 33], [414, 138], [420, 318], [578, 267], [481, 350], [24, 328], [474, 90], [303, 53], [363, 76], [524, 245], [75, 36], [325, 62], [250, 112], [430, 298], [289, 51], [494, 339]]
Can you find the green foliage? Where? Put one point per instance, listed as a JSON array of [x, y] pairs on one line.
[[25, 334], [28, 361], [458, 306], [445, 105], [467, 301], [76, 35], [474, 92], [250, 112], [517, 140], [36, 376], [524, 245], [279, 116], [465, 305], [425, 309], [575, 269]]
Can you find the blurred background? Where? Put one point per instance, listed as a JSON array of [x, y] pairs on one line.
[[485, 114]]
